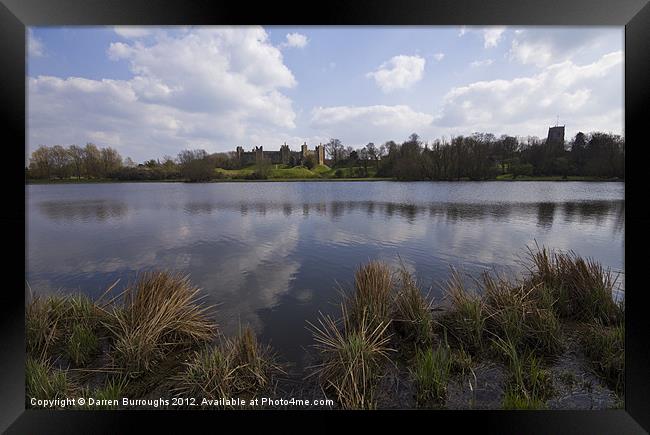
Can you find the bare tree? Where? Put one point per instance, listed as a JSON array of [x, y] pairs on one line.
[[111, 160], [92, 160], [196, 165], [77, 156], [41, 162], [335, 150], [373, 153]]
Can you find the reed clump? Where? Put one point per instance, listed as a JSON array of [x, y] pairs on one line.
[[583, 287], [256, 364], [522, 313], [234, 367], [82, 344], [372, 298], [431, 371], [529, 384], [412, 316], [352, 358], [44, 381], [604, 345], [466, 317], [156, 333], [106, 396], [63, 325], [160, 313]]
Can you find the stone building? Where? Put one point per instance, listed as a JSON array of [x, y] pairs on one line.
[[282, 157]]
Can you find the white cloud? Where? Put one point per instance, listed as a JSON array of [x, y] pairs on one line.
[[211, 87], [587, 97], [118, 50], [492, 36], [400, 72], [439, 56], [130, 32], [380, 123], [543, 46], [35, 47], [296, 40], [479, 63]]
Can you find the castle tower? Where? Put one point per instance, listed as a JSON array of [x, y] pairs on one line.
[[320, 154], [285, 155], [556, 136], [240, 154], [303, 150], [259, 154]]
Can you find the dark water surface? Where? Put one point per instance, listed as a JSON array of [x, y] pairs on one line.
[[271, 253]]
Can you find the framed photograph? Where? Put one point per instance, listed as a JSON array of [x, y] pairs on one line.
[[364, 209]]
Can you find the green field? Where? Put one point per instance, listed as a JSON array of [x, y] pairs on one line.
[[319, 173], [284, 172]]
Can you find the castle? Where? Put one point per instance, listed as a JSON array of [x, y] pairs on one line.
[[285, 156]]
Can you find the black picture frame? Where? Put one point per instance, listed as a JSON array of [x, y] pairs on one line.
[[15, 15]]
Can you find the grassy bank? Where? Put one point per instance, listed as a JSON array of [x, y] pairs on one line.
[[224, 180], [302, 173], [554, 333], [98, 181]]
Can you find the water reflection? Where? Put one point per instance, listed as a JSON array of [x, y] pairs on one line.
[[544, 213], [271, 254], [83, 210]]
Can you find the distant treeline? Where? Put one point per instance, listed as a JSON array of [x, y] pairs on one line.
[[481, 156]]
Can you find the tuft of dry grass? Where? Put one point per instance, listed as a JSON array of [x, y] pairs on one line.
[[160, 312], [209, 373], [255, 363], [604, 345], [413, 311], [67, 324], [372, 298], [40, 327], [521, 313], [583, 287], [352, 358], [233, 367], [465, 320], [43, 381]]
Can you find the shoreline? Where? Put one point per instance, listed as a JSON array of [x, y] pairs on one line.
[[338, 180]]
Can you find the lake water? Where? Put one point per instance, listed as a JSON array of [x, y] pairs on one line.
[[271, 254]]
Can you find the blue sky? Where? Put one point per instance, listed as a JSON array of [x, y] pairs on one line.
[[153, 91]]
